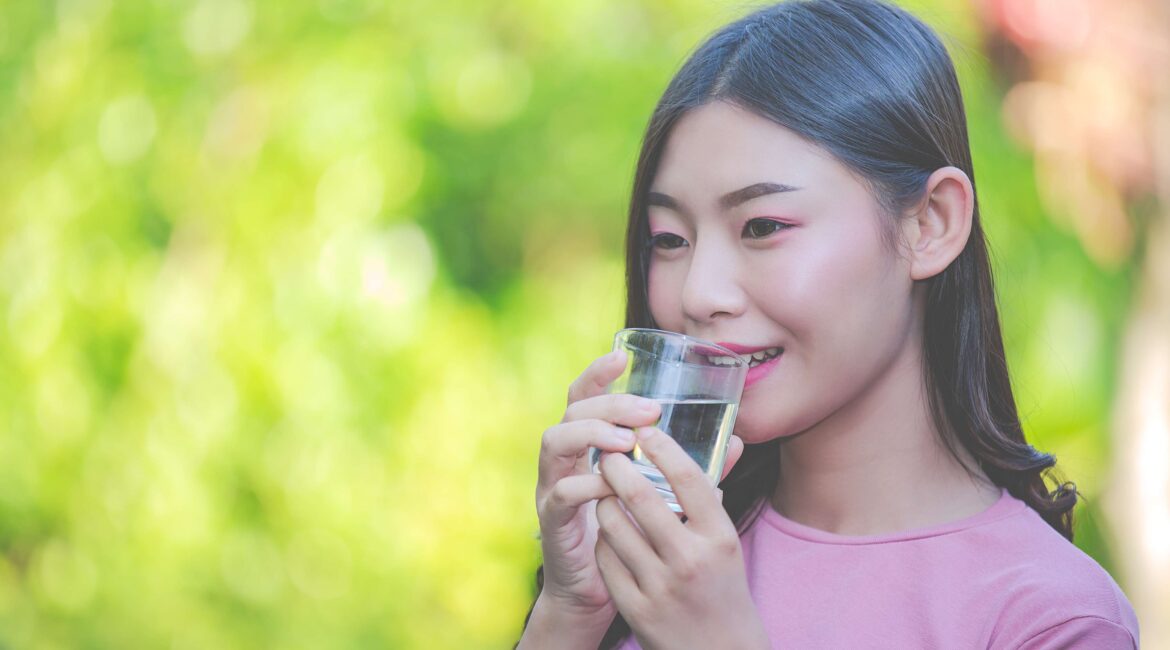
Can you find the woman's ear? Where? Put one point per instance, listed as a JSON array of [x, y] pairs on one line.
[[937, 231]]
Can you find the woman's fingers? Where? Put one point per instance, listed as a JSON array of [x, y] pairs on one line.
[[692, 487], [734, 453], [571, 439], [619, 581], [594, 380], [593, 418], [646, 506], [625, 538], [563, 445], [621, 408], [570, 493]]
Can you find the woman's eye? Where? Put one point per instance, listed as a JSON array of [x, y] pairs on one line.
[[668, 241], [760, 228]]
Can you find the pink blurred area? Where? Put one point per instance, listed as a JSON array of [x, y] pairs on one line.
[[1088, 93]]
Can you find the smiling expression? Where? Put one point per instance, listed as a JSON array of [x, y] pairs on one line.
[[762, 241]]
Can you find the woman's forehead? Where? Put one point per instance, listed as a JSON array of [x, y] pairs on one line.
[[732, 137], [719, 147]]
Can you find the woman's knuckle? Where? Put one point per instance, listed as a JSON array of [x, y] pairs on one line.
[[546, 441], [688, 567], [571, 411], [557, 496], [640, 496], [571, 394], [691, 476], [726, 543]]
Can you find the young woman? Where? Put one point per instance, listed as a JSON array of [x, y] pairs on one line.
[[805, 188]]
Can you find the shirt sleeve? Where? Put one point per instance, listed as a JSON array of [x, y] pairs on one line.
[[1083, 633]]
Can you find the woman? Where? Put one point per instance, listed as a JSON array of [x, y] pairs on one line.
[[805, 188]]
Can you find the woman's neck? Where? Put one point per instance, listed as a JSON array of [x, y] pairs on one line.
[[878, 465]]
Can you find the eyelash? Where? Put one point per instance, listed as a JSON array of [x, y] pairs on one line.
[[658, 240]]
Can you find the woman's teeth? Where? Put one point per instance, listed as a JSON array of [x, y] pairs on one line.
[[763, 355], [754, 359]]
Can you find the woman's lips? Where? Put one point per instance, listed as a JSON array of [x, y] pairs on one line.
[[744, 349], [709, 351], [756, 373]]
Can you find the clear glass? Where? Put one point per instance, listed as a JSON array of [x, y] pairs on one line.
[[697, 382]]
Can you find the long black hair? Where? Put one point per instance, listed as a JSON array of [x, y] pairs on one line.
[[875, 87]]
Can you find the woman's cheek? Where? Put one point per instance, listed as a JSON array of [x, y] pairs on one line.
[[665, 296]]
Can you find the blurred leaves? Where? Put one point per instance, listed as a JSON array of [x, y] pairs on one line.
[[290, 291]]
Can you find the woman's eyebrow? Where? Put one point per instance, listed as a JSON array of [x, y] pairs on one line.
[[727, 201]]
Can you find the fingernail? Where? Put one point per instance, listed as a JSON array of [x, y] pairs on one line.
[[647, 405], [644, 433], [623, 434]]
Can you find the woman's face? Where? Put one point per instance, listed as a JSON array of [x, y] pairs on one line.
[[800, 267]]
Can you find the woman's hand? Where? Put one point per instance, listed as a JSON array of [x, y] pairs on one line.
[[567, 490], [679, 585]]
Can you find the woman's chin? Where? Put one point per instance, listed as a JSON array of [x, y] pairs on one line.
[[752, 435], [757, 433]]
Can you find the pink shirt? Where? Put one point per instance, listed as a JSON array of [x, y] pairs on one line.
[[1000, 579]]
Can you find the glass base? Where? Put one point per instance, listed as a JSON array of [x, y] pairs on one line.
[[661, 485]]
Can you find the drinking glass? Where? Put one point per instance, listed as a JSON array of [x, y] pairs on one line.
[[698, 384]]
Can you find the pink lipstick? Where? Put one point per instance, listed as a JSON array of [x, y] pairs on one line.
[[756, 373], [765, 362]]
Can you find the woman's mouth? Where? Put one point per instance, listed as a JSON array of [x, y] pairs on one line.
[[758, 369], [754, 359], [763, 356], [761, 362]]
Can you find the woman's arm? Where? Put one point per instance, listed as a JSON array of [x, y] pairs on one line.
[[551, 626]]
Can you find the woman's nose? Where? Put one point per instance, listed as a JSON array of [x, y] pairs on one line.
[[712, 289]]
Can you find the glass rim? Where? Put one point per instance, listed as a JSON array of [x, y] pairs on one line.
[[741, 362]]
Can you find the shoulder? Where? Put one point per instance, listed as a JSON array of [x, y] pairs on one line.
[[1055, 595], [1088, 632]]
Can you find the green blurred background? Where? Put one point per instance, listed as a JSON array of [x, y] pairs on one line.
[[290, 291]]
